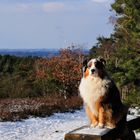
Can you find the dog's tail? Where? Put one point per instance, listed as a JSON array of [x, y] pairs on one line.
[[122, 116]]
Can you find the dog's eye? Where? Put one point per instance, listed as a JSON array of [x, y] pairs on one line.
[[89, 65], [95, 63]]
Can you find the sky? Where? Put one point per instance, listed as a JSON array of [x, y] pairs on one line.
[[36, 24]]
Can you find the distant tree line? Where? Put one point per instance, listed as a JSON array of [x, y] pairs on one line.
[[36, 76]]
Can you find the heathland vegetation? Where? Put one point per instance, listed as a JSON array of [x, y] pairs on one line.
[[22, 77], [39, 86]]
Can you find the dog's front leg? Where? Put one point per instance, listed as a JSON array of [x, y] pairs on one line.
[[92, 118], [101, 112], [101, 117]]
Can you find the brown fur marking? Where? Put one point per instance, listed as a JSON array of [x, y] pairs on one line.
[[100, 109], [105, 114], [86, 73], [93, 119]]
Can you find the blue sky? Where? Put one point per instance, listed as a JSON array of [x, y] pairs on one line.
[[53, 23]]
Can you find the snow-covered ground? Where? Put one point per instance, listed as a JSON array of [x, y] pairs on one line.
[[49, 128]]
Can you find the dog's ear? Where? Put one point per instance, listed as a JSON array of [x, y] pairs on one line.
[[102, 60], [85, 62]]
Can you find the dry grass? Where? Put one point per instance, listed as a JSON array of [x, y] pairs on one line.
[[17, 109]]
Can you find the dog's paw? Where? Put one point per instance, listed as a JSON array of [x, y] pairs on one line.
[[110, 126], [101, 125], [94, 124]]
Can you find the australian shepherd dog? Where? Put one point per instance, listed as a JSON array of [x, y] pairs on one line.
[[100, 95]]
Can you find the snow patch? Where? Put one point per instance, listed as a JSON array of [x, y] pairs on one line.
[[49, 128], [134, 111]]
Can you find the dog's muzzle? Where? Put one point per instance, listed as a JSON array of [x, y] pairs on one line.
[[92, 71]]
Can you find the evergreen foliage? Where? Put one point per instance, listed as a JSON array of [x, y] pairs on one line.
[[122, 50]]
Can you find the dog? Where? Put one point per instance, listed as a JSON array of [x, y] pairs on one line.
[[100, 95]]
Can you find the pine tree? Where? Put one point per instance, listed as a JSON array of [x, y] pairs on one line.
[[122, 49]]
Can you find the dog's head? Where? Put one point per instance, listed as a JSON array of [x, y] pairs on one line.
[[94, 67]]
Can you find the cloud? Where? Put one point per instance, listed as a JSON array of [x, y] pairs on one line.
[[53, 6], [23, 7], [16, 7], [33, 7], [102, 1], [49, 6]]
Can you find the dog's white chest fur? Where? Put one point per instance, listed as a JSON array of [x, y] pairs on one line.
[[91, 89]]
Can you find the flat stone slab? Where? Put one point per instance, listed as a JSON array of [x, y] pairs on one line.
[[87, 133], [91, 133]]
